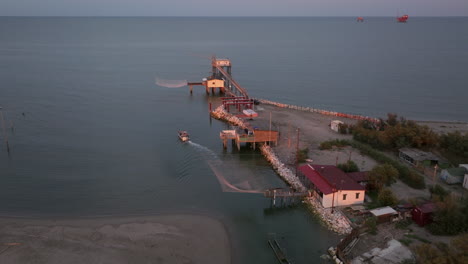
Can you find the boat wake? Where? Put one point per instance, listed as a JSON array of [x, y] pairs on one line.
[[204, 149], [171, 83], [218, 168]]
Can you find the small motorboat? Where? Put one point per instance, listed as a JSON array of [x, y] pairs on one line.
[[184, 136]]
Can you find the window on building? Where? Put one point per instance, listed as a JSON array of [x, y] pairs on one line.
[[344, 197], [357, 195]]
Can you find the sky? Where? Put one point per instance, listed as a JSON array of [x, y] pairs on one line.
[[233, 7]]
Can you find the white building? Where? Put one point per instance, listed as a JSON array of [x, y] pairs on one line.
[[465, 180], [331, 186], [335, 125]]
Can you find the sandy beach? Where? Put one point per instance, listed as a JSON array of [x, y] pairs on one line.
[[149, 239]]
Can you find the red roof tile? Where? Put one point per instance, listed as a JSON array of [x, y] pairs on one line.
[[358, 176]]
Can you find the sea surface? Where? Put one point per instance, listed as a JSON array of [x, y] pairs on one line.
[[91, 134]]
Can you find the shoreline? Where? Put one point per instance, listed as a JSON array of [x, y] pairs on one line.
[[351, 116], [171, 238]]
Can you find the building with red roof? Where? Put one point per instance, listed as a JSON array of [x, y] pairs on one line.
[[331, 186], [360, 177]]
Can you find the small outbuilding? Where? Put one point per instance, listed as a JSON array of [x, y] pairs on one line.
[[422, 215], [335, 125], [384, 214], [416, 157], [453, 175]]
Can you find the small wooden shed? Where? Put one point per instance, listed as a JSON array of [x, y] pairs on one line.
[[335, 125], [384, 214], [422, 215]]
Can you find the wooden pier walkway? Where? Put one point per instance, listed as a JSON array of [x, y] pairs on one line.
[[286, 197], [251, 136]]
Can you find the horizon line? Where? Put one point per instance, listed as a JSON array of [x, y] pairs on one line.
[[228, 16]]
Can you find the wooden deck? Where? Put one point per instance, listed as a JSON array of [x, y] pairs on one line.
[[255, 136]]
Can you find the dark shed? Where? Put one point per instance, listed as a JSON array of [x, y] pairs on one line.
[[422, 214]]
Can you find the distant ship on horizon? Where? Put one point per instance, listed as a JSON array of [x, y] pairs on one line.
[[403, 18]]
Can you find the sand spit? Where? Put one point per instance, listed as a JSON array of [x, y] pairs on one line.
[[152, 239]]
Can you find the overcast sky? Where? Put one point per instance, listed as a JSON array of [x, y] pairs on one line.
[[233, 7]]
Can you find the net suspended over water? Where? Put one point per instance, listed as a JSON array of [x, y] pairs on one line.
[[171, 83], [229, 180]]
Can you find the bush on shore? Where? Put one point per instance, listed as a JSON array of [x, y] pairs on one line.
[[302, 155], [340, 143], [450, 217], [349, 166], [443, 253], [405, 174], [381, 175], [387, 198], [397, 132]]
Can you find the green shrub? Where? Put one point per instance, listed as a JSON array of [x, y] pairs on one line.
[[439, 191], [349, 166], [387, 198], [381, 175], [302, 155], [336, 142], [403, 224], [371, 225], [406, 175], [406, 241], [418, 238], [326, 145]]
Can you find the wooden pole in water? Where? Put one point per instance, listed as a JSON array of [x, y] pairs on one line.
[[269, 132], [5, 135], [297, 151]]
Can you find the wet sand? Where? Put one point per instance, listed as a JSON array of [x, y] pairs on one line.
[[149, 239]]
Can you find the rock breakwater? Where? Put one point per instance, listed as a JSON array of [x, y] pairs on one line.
[[319, 111]]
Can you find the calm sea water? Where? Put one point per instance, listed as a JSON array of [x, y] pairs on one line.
[[98, 137]]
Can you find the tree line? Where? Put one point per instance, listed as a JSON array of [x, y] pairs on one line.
[[398, 132]]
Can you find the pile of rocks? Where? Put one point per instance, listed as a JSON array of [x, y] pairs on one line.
[[336, 221], [221, 114], [283, 171]]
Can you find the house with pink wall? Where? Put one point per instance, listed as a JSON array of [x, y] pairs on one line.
[[331, 186]]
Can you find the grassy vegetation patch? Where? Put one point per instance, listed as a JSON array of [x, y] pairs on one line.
[[418, 238], [406, 241]]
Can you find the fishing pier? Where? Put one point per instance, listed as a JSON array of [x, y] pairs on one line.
[[248, 136], [220, 80], [238, 99], [285, 196]]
